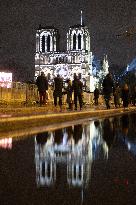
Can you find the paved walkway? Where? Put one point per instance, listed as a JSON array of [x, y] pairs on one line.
[[13, 120], [48, 109]]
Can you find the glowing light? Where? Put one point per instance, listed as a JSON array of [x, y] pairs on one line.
[[6, 143], [127, 68], [81, 18], [132, 65], [5, 79], [129, 146], [62, 70], [92, 84]]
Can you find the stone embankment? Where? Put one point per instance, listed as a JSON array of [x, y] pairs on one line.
[[30, 120]]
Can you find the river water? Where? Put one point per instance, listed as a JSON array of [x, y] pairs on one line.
[[89, 163]]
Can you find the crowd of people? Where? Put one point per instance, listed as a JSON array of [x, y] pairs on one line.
[[121, 94], [74, 89]]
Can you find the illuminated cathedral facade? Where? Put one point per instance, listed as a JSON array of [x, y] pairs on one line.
[[77, 59]]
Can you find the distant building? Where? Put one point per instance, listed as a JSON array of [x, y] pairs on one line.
[[76, 59]]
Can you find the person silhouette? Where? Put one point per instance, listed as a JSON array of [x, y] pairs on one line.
[[58, 86], [42, 84]]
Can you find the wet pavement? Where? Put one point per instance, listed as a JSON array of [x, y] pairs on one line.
[[91, 161], [28, 118]]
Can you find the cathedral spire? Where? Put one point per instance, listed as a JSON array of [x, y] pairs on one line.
[[81, 18], [105, 65]]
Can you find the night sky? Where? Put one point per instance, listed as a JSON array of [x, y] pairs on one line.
[[106, 19]]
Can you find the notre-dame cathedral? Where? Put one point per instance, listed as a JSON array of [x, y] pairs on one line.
[[76, 59]]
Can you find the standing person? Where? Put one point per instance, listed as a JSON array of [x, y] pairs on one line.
[[96, 96], [125, 95], [77, 87], [58, 86], [107, 89], [42, 84], [134, 96], [116, 94], [69, 94]]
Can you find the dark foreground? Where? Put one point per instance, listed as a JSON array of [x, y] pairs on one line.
[[91, 162]]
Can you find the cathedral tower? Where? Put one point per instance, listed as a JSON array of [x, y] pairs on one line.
[[46, 39], [78, 38]]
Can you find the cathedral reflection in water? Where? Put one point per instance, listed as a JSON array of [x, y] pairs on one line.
[[76, 147]]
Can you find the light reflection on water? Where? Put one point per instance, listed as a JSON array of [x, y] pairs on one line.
[[93, 162], [76, 146]]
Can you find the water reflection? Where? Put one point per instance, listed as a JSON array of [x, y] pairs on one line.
[[76, 146], [108, 132], [6, 143], [90, 163], [129, 134], [87, 155]]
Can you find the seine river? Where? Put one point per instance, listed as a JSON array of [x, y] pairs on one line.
[[89, 163]]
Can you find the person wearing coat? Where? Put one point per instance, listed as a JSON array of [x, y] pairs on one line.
[[133, 97], [77, 87], [42, 84], [96, 96], [117, 95], [69, 94], [107, 89], [57, 93], [125, 95]]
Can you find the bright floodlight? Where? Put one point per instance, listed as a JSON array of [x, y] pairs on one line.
[[5, 79]]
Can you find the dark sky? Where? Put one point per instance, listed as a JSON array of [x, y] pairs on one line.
[[105, 19]]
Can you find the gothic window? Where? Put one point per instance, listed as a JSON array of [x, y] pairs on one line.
[[73, 59], [79, 41], [49, 170], [80, 173], [43, 44], [74, 41], [66, 60], [48, 43], [57, 60], [43, 169]]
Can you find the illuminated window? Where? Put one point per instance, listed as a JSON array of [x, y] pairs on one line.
[[43, 44], [74, 41], [48, 43], [79, 41]]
